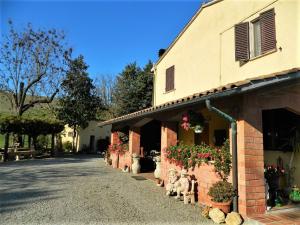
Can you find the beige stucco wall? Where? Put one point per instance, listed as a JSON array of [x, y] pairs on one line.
[[84, 134], [204, 55]]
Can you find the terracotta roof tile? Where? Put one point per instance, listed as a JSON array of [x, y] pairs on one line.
[[201, 94]]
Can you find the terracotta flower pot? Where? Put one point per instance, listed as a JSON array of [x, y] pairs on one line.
[[224, 206]]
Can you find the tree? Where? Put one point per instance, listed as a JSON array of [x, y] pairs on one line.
[[133, 89], [79, 103], [104, 90], [31, 65]]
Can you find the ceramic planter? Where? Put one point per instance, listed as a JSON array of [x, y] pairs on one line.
[[157, 171], [224, 206], [136, 167]]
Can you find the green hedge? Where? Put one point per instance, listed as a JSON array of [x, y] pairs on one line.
[[29, 126]]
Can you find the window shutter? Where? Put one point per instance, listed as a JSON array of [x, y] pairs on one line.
[[170, 79], [268, 33], [241, 32]]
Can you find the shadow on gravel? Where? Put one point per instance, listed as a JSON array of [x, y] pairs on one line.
[[14, 200], [23, 174], [51, 161]]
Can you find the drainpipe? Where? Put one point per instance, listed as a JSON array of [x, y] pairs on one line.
[[234, 150]]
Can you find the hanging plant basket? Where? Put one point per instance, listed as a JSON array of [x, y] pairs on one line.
[[193, 120]]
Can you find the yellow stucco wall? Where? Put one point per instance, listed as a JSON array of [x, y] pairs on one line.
[[84, 134], [204, 55]]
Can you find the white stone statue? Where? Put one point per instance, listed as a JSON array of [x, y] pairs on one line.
[[136, 167], [183, 184], [157, 171], [172, 178]]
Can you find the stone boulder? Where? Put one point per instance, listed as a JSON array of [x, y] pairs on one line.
[[217, 215], [233, 218]]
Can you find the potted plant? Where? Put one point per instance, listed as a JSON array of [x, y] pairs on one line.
[[221, 195], [222, 192], [193, 120], [295, 195]]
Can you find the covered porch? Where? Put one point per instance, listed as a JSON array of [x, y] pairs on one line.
[[246, 103]]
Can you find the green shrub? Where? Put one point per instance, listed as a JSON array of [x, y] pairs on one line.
[[221, 191]]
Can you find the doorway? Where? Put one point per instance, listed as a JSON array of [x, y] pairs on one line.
[[150, 144]]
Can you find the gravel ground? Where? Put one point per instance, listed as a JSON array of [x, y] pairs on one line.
[[83, 190]]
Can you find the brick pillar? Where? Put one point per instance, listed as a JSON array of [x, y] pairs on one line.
[[251, 160], [168, 138], [114, 138], [134, 140]]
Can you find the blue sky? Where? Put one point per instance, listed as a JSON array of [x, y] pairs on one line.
[[110, 34]]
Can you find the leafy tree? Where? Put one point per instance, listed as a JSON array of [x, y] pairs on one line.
[[133, 89], [31, 64], [79, 103]]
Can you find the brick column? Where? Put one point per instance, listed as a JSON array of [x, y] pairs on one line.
[[168, 138], [114, 138], [134, 140], [251, 160]]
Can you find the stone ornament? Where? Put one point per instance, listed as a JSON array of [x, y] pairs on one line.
[[172, 178], [182, 185], [157, 171], [233, 218], [190, 196], [217, 215], [136, 167]]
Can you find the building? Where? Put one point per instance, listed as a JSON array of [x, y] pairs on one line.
[[87, 139], [244, 57]]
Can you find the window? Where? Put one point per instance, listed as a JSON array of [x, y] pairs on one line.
[[170, 79], [255, 44], [255, 38]]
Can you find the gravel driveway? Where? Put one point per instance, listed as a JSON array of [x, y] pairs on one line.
[[83, 190]]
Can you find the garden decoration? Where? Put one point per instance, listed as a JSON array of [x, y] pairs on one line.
[[193, 120], [136, 167], [295, 195], [190, 195], [182, 185], [157, 171], [172, 178], [272, 174]]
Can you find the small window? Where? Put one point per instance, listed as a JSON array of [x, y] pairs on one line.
[[170, 79], [255, 38], [255, 43]]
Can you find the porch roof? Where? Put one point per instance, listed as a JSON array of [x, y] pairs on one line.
[[215, 93]]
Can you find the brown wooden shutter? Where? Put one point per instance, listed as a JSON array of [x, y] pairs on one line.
[[170, 78], [241, 32], [268, 32]]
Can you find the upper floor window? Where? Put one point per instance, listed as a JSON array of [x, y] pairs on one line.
[[170, 79], [255, 38]]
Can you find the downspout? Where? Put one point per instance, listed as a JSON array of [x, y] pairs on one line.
[[234, 150]]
